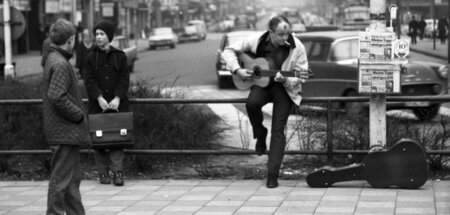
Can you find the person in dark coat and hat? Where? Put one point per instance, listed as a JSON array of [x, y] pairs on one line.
[[107, 80]]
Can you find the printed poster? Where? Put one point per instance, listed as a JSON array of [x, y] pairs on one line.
[[376, 78], [376, 46]]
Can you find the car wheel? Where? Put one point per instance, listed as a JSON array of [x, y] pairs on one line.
[[151, 47], [172, 46], [427, 113], [353, 109]]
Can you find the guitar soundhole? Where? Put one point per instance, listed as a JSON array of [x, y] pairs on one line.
[[257, 71]]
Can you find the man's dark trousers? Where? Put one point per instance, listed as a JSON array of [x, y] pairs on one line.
[[64, 186], [282, 104]]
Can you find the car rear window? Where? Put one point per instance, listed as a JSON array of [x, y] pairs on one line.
[[317, 51], [345, 50]]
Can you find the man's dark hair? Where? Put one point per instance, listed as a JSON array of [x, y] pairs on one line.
[[273, 23], [61, 31]]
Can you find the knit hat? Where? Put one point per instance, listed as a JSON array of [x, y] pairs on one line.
[[107, 27]]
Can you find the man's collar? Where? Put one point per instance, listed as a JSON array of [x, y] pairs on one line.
[[266, 38]]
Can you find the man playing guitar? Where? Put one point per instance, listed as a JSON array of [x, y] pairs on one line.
[[283, 52]]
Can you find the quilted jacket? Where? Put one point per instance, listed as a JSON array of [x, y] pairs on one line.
[[65, 121]]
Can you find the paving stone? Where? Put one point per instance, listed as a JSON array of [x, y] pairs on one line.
[[299, 204], [108, 208], [296, 209], [224, 203], [259, 210], [412, 210], [183, 208], [335, 210], [190, 203], [376, 205]]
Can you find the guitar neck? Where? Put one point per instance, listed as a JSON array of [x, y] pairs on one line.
[[272, 73]]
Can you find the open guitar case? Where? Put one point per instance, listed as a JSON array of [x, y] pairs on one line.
[[404, 165]]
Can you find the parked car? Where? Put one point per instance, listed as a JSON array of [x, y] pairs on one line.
[[224, 76], [190, 33], [429, 29], [333, 57], [163, 36], [122, 43], [201, 27]]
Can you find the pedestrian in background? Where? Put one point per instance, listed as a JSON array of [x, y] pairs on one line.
[[442, 29], [422, 25], [413, 27], [65, 123], [84, 48], [45, 47], [107, 80], [285, 52]]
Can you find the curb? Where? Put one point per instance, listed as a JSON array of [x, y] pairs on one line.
[[429, 54]]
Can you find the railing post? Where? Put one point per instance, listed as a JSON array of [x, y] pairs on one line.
[[329, 131]]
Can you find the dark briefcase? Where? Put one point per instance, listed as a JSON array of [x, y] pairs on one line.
[[111, 130]]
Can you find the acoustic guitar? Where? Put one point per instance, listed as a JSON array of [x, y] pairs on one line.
[[261, 72], [404, 166]]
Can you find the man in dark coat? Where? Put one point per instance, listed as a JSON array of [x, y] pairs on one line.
[[65, 122], [413, 27], [442, 29], [107, 80], [422, 26]]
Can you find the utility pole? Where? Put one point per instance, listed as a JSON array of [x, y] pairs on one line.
[[74, 12], [9, 67], [377, 102], [156, 5]]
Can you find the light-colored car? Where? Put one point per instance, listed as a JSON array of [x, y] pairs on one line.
[[333, 56], [190, 33], [224, 76], [429, 28], [201, 27], [122, 43], [163, 36]]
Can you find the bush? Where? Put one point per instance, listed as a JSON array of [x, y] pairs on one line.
[[168, 126]]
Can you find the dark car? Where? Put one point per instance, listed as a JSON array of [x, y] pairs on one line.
[[224, 76], [122, 43], [333, 58]]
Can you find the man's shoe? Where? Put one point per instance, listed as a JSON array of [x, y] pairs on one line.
[[272, 181], [118, 178], [260, 147], [104, 179]]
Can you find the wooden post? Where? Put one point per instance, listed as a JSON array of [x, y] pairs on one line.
[[9, 67], [377, 101]]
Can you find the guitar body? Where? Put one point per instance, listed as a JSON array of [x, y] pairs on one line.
[[262, 72], [251, 63], [404, 165]]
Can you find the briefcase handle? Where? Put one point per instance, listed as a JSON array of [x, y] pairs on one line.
[[111, 111]]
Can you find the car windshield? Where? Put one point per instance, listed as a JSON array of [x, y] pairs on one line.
[[317, 51], [235, 39], [162, 31]]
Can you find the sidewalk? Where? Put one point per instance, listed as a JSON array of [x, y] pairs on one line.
[[219, 197], [425, 47]]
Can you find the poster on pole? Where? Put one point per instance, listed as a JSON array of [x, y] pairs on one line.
[[376, 78], [376, 46], [378, 71]]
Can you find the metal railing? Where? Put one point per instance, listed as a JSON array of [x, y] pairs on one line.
[[328, 100]]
